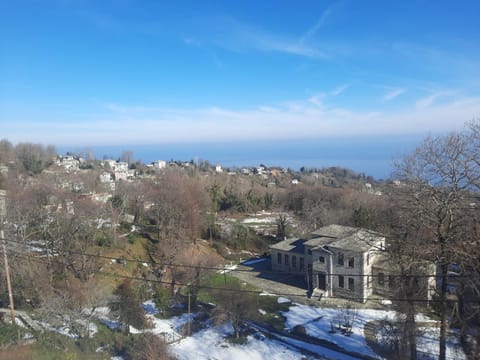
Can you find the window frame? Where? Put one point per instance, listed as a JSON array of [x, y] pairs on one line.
[[381, 279], [351, 284], [341, 259]]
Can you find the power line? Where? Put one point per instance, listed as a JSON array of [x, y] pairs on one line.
[[224, 268], [227, 289]]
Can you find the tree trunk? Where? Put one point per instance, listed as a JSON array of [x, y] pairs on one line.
[[411, 331], [443, 312]]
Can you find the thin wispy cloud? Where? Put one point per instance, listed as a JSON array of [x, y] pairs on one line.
[[308, 118], [392, 93], [232, 34], [316, 27], [340, 89], [434, 97]]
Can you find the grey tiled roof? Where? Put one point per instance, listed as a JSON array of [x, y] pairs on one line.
[[295, 245], [334, 236]]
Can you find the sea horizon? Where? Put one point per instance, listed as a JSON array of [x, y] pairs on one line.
[[372, 156]]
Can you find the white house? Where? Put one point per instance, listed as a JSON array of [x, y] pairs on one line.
[[160, 164], [68, 162], [3, 203]]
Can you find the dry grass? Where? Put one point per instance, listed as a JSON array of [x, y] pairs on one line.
[[16, 353]]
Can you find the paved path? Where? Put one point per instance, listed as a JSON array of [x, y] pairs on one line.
[[260, 275]]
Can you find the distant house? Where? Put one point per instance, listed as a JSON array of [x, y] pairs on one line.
[[105, 178], [3, 203], [68, 162], [337, 261], [218, 169], [160, 164]]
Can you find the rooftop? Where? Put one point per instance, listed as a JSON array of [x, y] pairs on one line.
[[360, 241], [295, 245], [335, 236], [334, 231]]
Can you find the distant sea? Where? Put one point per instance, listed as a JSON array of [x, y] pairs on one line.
[[372, 156]]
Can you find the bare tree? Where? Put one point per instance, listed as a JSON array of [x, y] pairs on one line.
[[6, 151], [34, 157], [436, 188], [127, 156], [148, 347], [409, 262], [198, 264], [127, 306], [234, 304]]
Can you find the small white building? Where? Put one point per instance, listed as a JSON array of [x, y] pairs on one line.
[[106, 178], [3, 203], [160, 164], [68, 162]]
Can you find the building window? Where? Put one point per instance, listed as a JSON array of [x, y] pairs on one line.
[[279, 259], [351, 262], [294, 261], [309, 252], [391, 281], [351, 284], [341, 281], [302, 264], [381, 279], [286, 259], [322, 259], [368, 258], [340, 259]]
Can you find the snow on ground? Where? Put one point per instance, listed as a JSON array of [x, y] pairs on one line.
[[227, 269], [283, 300], [103, 315], [427, 345], [150, 307], [256, 220], [211, 344], [316, 349], [318, 323]]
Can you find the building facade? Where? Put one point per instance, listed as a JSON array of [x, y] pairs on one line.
[[337, 261]]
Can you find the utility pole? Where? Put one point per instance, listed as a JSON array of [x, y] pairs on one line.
[[7, 275]]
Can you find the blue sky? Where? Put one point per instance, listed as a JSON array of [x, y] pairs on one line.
[[91, 72]]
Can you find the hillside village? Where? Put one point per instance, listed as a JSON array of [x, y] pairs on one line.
[[105, 253]]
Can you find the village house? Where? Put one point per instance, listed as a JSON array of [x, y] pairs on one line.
[[160, 164], [68, 162], [3, 203], [337, 261]]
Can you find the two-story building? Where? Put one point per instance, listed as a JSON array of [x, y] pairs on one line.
[[337, 261]]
